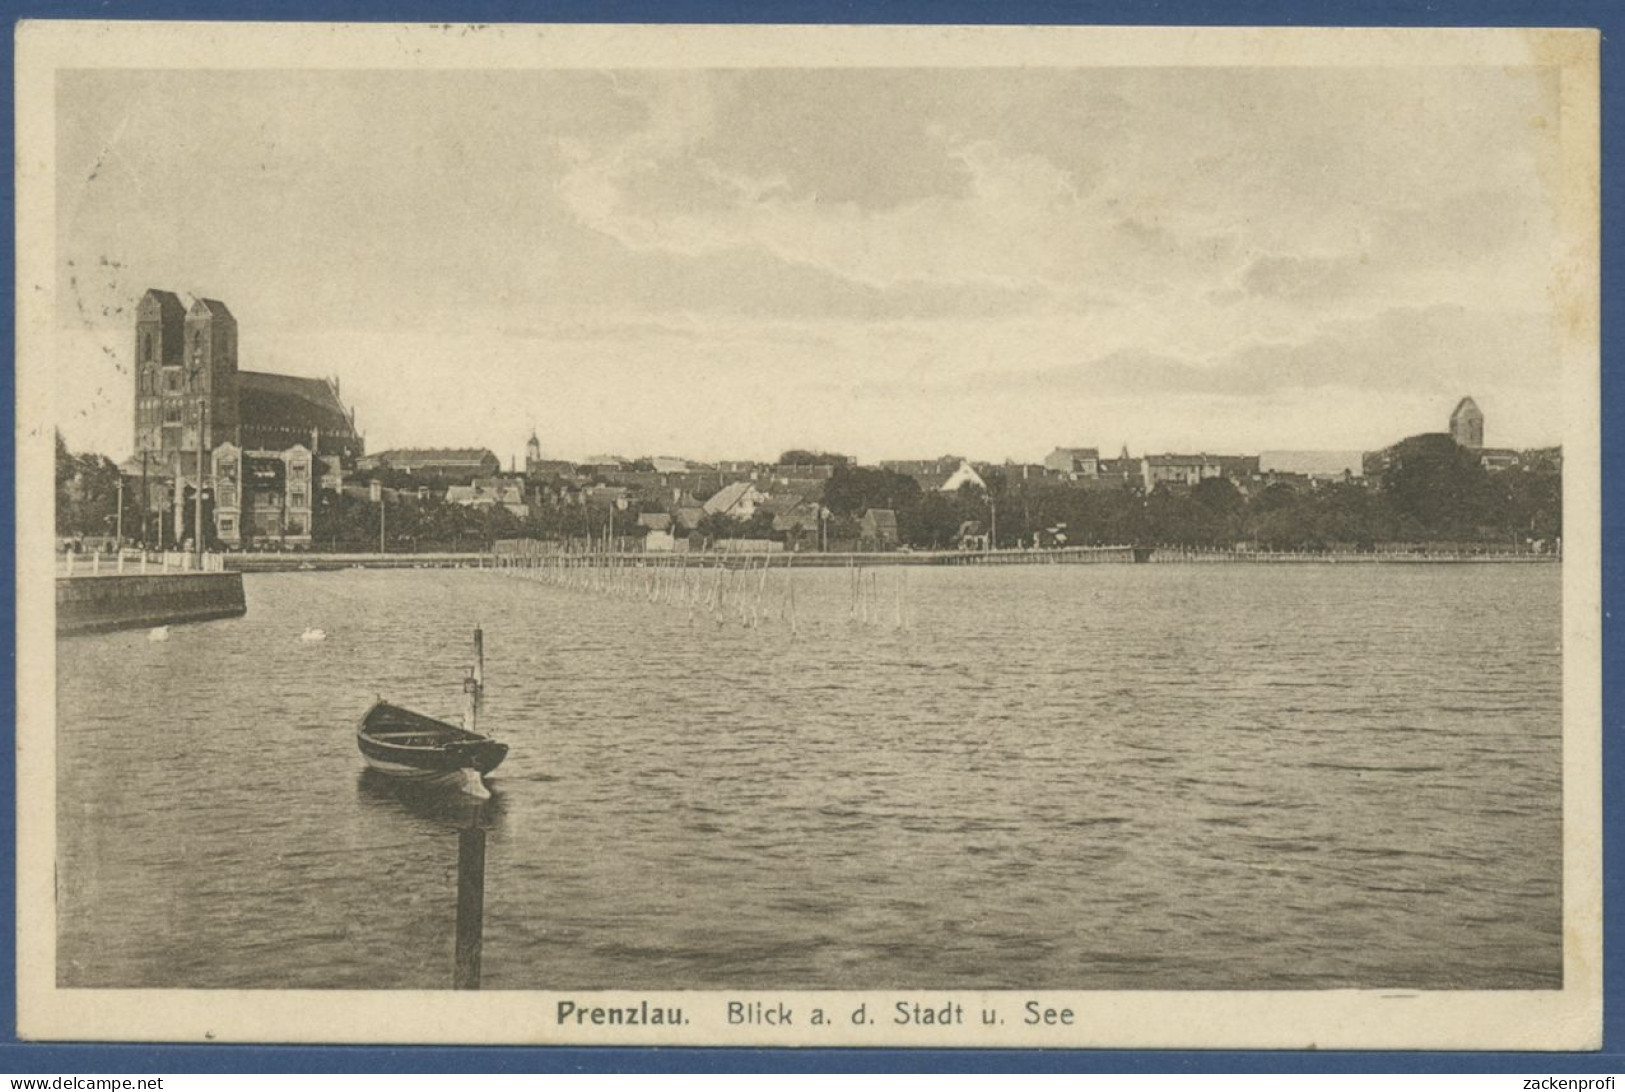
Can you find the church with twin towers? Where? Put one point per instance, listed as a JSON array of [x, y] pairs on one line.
[[258, 444]]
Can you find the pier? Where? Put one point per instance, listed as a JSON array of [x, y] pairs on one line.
[[1063, 555], [1066, 555], [138, 591]]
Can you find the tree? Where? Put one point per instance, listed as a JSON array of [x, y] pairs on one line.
[[1533, 502], [87, 491], [931, 524], [853, 489], [1218, 495], [1439, 485], [66, 470], [717, 526], [800, 457], [759, 525]]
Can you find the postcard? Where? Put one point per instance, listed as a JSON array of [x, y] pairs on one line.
[[809, 536]]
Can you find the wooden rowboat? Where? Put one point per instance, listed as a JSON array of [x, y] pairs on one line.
[[409, 745]]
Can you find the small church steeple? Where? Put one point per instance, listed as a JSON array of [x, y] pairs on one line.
[[533, 451], [1467, 424]]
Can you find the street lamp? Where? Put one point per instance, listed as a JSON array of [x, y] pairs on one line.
[[377, 489], [202, 444]]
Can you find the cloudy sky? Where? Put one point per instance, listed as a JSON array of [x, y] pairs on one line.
[[888, 263]]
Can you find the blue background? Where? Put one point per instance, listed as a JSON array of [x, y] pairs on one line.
[[64, 1059]]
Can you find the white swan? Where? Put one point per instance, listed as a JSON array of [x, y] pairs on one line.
[[158, 633], [313, 635]]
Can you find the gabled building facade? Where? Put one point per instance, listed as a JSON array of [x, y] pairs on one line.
[[264, 499]]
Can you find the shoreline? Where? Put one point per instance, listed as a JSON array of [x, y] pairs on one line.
[[1116, 555]]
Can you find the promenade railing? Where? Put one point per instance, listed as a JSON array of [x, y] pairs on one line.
[[138, 563]]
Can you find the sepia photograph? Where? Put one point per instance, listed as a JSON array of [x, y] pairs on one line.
[[731, 536]]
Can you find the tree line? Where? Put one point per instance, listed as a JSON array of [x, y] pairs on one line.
[[1432, 492]]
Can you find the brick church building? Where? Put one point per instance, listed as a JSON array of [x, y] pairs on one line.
[[268, 442]]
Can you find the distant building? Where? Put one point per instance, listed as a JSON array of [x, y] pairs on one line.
[[660, 542], [877, 529], [1238, 468], [964, 475], [738, 500], [971, 536], [491, 492], [666, 464], [929, 473], [1324, 465], [1499, 458], [604, 495], [1178, 469], [805, 481], [658, 532], [549, 468], [938, 475], [809, 471], [1548, 460], [1300, 483], [437, 462], [799, 524], [1074, 462], [1022, 472], [805, 489], [1467, 424], [1122, 472]]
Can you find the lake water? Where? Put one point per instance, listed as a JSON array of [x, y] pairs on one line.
[[1090, 777]]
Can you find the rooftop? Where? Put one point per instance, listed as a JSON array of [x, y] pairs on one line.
[[290, 401], [214, 308], [436, 454]]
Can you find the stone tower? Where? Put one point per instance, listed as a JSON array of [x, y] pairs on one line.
[[211, 371], [183, 359], [1467, 424], [533, 451], [160, 332]]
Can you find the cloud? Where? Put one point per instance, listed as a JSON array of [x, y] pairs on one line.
[[995, 251], [1302, 277], [1438, 349]]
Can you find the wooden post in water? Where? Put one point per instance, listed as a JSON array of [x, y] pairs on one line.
[[470, 907], [474, 685], [479, 669]]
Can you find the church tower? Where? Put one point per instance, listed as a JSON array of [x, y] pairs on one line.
[[533, 452], [210, 373], [1467, 425], [160, 321]]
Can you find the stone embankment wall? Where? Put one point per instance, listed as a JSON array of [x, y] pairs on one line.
[[88, 603]]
